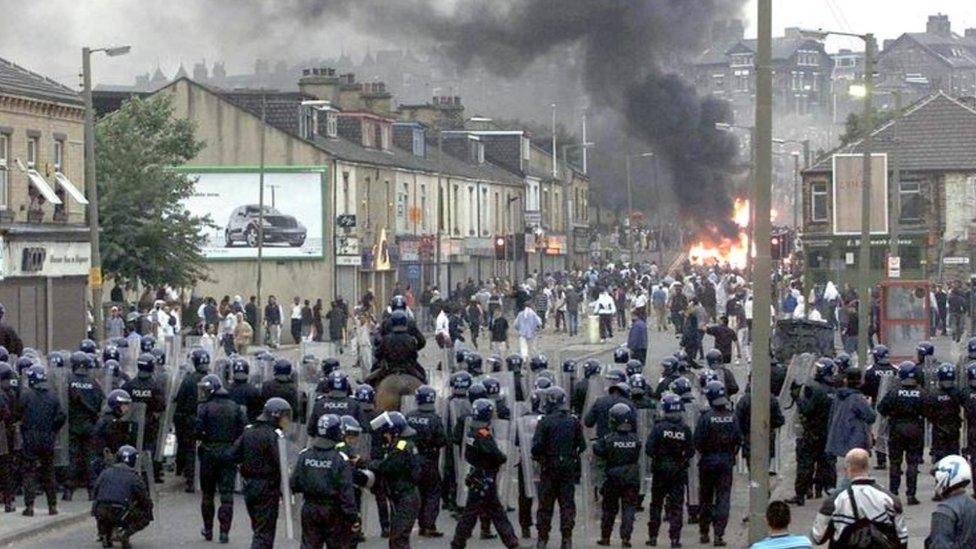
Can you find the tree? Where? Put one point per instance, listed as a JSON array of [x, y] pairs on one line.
[[854, 125], [147, 235]]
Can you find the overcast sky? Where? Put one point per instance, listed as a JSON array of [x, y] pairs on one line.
[[46, 35]]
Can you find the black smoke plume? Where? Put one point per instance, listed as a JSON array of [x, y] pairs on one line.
[[626, 46]]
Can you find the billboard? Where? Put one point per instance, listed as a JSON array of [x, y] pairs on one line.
[[847, 193], [293, 212]]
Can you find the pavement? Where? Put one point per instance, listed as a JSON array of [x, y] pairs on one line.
[[177, 521]]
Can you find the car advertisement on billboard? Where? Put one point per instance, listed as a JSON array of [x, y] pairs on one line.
[[292, 213]]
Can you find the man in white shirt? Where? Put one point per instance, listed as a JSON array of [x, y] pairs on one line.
[[296, 320]]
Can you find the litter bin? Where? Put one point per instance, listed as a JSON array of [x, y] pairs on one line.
[[592, 329]]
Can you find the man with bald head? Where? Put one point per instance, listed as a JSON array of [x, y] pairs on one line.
[[838, 518]]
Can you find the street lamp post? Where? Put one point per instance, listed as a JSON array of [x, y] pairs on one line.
[[630, 201], [95, 273]]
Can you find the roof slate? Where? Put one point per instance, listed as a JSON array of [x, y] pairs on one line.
[[16, 80], [938, 133], [783, 49]]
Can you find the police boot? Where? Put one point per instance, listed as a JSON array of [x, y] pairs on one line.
[[124, 541], [797, 500], [625, 543], [66, 494], [675, 543], [692, 514], [603, 541], [207, 534], [566, 542], [486, 533], [719, 542], [224, 537], [912, 500], [526, 532], [28, 511], [541, 544]]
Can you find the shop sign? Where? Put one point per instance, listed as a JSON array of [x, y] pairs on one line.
[[46, 258]]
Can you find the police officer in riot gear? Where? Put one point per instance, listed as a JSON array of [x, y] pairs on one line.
[[904, 408], [282, 385], [557, 444], [620, 452], [8, 461], [591, 367], [185, 414], [337, 401], [715, 361], [670, 448], [599, 413], [458, 407], [969, 409], [85, 401], [430, 439], [241, 391], [41, 417], [399, 303], [121, 499], [144, 389], [324, 475], [944, 412], [669, 373], [475, 364], [486, 459], [328, 366], [256, 450], [397, 464], [743, 415], [640, 393], [814, 465], [717, 440], [493, 388], [219, 422], [621, 355], [113, 430], [514, 364]]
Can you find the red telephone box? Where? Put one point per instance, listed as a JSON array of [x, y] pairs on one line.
[[905, 316]]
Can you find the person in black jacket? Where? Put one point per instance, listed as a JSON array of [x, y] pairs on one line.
[[430, 439], [743, 417], [324, 475], [85, 400], [144, 389], [256, 450], [282, 385], [241, 391], [41, 417], [969, 409], [904, 407], [120, 499], [219, 422], [397, 464], [620, 452], [717, 440], [185, 414], [943, 409], [599, 414], [485, 458], [814, 465], [7, 472], [9, 339], [717, 361], [336, 401], [557, 444], [670, 448]]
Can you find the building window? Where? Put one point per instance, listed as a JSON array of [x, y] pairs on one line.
[[818, 202], [59, 156], [741, 80], [385, 136], [481, 153], [369, 134], [818, 259], [472, 220], [423, 208], [910, 201], [797, 80], [4, 156], [815, 82], [306, 122], [345, 192], [807, 58], [497, 224], [526, 146], [419, 145], [741, 59], [718, 83], [545, 201], [455, 213], [32, 152], [331, 124]]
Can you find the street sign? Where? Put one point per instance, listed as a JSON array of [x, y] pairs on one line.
[[955, 260], [346, 221], [349, 260], [533, 218], [95, 277], [894, 267]]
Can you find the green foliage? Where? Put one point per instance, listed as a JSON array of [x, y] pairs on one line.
[[147, 236], [854, 125]]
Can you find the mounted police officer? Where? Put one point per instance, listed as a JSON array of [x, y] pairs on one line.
[[814, 465], [397, 464], [430, 439], [717, 440], [670, 448], [398, 350], [219, 422], [256, 450], [557, 444], [41, 418], [121, 499], [241, 391], [185, 414], [324, 475], [144, 389], [620, 451], [85, 401], [485, 458], [904, 408]]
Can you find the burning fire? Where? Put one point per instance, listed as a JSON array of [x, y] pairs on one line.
[[720, 250]]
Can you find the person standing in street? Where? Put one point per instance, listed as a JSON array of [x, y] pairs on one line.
[[557, 444], [184, 416], [851, 417], [256, 450], [572, 310], [121, 499], [904, 408], [397, 465], [717, 439], [114, 324], [272, 318], [318, 327], [218, 424], [143, 389], [637, 337], [620, 452], [431, 438], [251, 311], [296, 320], [527, 325], [605, 309], [659, 301], [85, 400], [41, 417], [670, 448], [306, 313]]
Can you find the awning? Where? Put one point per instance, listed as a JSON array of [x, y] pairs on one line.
[[68, 186], [42, 187]]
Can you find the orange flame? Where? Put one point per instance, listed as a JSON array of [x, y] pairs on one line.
[[712, 250]]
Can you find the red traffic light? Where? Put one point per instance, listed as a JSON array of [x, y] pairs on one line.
[[500, 241]]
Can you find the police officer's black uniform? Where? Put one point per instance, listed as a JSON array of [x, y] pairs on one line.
[[944, 411], [144, 389], [904, 407], [6, 460], [184, 417], [873, 376], [620, 452], [41, 418], [814, 465], [85, 401], [430, 440], [557, 445], [670, 448], [256, 450], [121, 500], [599, 414], [246, 395], [219, 422], [969, 409], [397, 465], [717, 440]]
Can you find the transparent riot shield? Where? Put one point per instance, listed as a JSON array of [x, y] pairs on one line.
[[507, 382], [59, 386], [504, 432], [286, 497], [882, 427], [461, 465], [930, 382], [173, 382], [645, 422], [408, 403], [798, 373], [691, 415], [318, 349], [525, 426], [127, 359], [137, 416]]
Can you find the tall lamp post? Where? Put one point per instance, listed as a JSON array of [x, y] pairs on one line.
[[95, 274], [630, 200], [864, 258]]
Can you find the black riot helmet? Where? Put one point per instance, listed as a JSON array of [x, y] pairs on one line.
[[240, 369], [88, 346], [80, 360], [146, 363], [127, 454], [147, 343], [276, 409], [200, 359], [398, 321]]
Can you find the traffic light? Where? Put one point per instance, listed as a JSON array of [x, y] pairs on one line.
[[501, 247], [775, 249]]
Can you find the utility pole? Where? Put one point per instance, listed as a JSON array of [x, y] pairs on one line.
[[761, 274], [896, 181], [864, 268], [796, 190], [259, 329], [95, 273], [630, 210]]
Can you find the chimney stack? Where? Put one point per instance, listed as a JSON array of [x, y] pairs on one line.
[[939, 25], [320, 83]]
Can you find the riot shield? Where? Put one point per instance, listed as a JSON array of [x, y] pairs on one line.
[[645, 422], [930, 382], [172, 385], [408, 403], [144, 464], [596, 388], [504, 432], [461, 466], [507, 382], [691, 415], [525, 426], [59, 386], [798, 373], [128, 356], [286, 499], [888, 382]]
